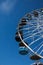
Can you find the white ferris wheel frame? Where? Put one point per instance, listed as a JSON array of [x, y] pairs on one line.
[[28, 46]]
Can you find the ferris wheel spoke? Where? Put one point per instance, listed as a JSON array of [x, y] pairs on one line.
[[33, 35], [39, 48], [29, 23], [32, 31], [41, 52], [29, 31], [27, 28], [34, 41], [31, 27]]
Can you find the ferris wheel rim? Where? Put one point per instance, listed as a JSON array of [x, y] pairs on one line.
[[28, 46], [41, 56]]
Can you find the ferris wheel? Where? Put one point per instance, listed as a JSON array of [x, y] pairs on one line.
[[30, 35]]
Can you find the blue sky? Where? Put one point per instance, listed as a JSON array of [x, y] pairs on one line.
[[10, 13]]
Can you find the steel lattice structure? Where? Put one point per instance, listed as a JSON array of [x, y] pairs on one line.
[[30, 34]]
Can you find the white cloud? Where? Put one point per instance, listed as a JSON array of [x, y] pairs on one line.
[[7, 5]]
